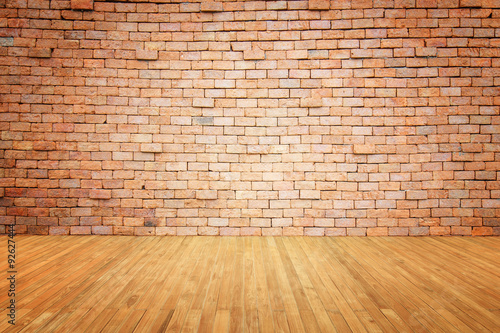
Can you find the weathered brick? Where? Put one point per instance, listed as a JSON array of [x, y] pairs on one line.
[[40, 53]]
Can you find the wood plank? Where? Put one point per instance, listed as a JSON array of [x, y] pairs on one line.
[[224, 297], [271, 278], [417, 281], [169, 285], [221, 322], [250, 306], [298, 258], [185, 298], [73, 275], [386, 292], [100, 321], [265, 314], [167, 250], [192, 321], [162, 321], [62, 323], [323, 267], [280, 322], [293, 317], [256, 284], [449, 289], [213, 289], [339, 321], [147, 321], [119, 318], [236, 313]]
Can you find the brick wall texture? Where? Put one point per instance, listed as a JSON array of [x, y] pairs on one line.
[[366, 117]]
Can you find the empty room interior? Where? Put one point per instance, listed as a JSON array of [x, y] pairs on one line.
[[250, 166]]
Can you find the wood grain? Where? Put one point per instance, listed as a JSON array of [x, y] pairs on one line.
[[253, 284]]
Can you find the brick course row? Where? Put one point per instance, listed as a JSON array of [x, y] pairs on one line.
[[335, 118]]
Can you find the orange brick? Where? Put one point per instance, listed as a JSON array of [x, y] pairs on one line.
[[379, 231], [482, 231], [211, 6], [319, 5], [146, 54], [82, 4], [364, 149], [311, 102], [439, 231]]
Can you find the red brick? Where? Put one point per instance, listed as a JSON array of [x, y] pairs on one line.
[[38, 230], [80, 230], [482, 231], [44, 145], [82, 4], [102, 230], [40, 53], [59, 231], [15, 192], [461, 231], [439, 231]]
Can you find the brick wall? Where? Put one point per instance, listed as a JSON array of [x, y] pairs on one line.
[[366, 117]]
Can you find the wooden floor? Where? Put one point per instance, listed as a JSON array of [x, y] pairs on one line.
[[219, 284]]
